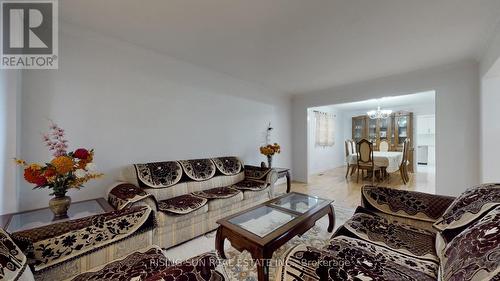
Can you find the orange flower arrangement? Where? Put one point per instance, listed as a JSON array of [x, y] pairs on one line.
[[66, 170], [270, 149]]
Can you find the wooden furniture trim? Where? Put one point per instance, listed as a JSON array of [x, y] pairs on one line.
[[285, 172]]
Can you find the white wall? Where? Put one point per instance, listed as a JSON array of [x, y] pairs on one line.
[[10, 89], [457, 118], [490, 129], [134, 105], [323, 158]]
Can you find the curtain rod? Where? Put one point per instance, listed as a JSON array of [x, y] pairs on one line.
[[334, 115]]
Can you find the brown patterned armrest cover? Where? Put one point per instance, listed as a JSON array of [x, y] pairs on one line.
[[261, 174], [125, 195], [403, 203], [54, 244]]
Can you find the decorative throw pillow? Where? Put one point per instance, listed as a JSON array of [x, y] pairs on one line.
[[158, 174], [469, 206], [228, 165], [474, 254], [182, 205], [13, 265], [198, 169]]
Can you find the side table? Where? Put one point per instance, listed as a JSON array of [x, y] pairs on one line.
[[284, 172], [41, 217]]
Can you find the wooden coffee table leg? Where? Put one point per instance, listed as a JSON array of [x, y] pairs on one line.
[[219, 242], [288, 182], [263, 266], [331, 218]]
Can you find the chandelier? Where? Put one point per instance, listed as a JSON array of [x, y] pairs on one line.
[[379, 114]]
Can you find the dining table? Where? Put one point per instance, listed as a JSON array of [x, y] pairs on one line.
[[388, 159]]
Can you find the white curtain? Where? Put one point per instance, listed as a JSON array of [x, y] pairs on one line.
[[325, 129]]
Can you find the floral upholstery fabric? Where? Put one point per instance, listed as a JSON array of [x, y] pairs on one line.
[[60, 242], [474, 254], [398, 236], [352, 259], [140, 265], [415, 205], [126, 194], [469, 206], [252, 185], [256, 173], [200, 268], [217, 193], [158, 174], [198, 169], [181, 205], [12, 260], [228, 165]]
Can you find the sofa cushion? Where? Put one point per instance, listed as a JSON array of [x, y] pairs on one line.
[[138, 265], [181, 205], [228, 165], [347, 258], [217, 193], [215, 204], [158, 174], [13, 263], [397, 236], [469, 206], [410, 204], [167, 219], [474, 254], [254, 185], [251, 194], [205, 267], [198, 169]]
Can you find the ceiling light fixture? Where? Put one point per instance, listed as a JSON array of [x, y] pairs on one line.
[[379, 114]]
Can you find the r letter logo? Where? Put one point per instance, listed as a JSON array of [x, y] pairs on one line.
[[29, 34]]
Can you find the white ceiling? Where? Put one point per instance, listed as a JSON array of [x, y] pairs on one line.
[[296, 46], [424, 98]]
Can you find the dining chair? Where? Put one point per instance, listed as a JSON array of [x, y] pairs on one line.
[[365, 158], [383, 146], [403, 167], [349, 151]]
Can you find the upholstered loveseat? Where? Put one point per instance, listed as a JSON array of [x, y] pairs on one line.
[[112, 246], [403, 235], [189, 196]]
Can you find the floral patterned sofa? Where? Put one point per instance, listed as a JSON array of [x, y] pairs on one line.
[[189, 196], [111, 246], [403, 235]]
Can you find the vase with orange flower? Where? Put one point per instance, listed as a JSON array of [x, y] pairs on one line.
[[269, 151], [67, 170]]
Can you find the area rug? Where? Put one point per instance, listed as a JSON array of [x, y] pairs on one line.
[[239, 265]]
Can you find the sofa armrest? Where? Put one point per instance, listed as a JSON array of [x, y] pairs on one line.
[[262, 174], [126, 195], [404, 203], [61, 242]]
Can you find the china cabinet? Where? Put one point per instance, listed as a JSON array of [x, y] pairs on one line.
[[395, 130]]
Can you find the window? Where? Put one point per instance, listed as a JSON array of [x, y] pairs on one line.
[[324, 129]]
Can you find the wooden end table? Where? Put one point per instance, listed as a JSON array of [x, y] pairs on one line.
[[41, 217], [284, 172], [262, 229]]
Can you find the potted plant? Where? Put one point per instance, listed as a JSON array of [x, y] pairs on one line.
[[65, 171], [269, 151]]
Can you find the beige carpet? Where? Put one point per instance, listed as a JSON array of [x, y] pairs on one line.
[[239, 266]]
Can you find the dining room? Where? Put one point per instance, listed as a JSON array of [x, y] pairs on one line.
[[377, 141]]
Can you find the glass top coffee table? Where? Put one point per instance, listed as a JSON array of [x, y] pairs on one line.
[[264, 228]]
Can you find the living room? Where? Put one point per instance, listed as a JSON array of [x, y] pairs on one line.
[[151, 86]]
